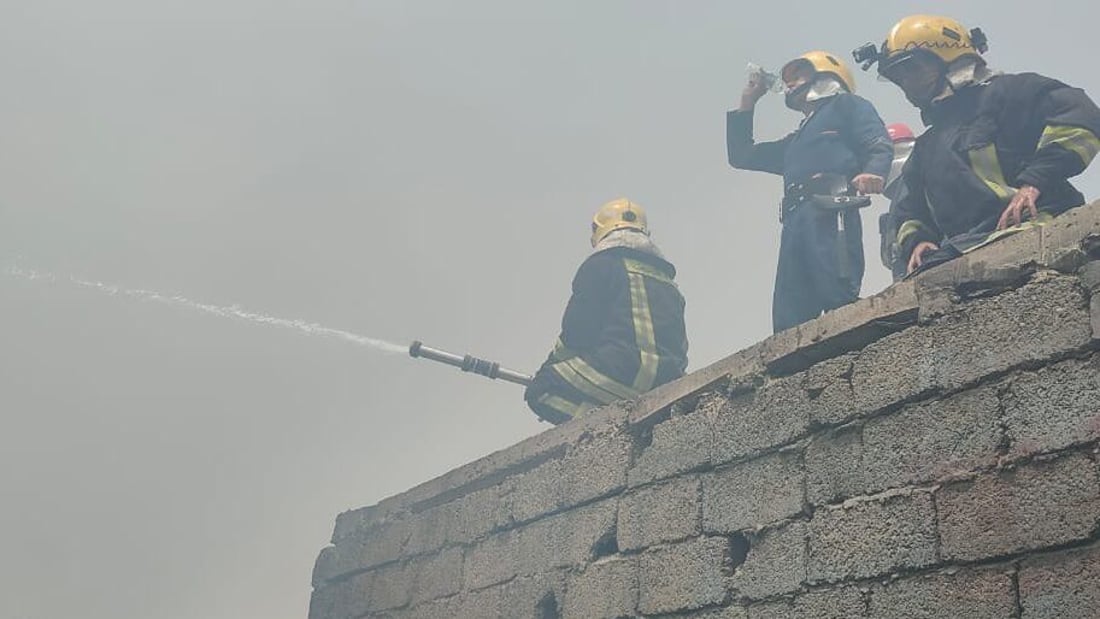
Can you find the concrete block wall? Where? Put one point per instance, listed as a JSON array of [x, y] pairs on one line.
[[928, 452]]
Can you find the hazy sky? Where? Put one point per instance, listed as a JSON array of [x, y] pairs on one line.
[[399, 169]]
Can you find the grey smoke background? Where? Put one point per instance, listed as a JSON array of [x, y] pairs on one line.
[[398, 169]]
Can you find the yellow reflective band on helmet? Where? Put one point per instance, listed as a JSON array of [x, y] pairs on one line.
[[563, 406], [1074, 139], [986, 165], [909, 228], [591, 382], [643, 334]]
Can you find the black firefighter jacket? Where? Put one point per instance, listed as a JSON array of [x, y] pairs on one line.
[[985, 141], [622, 333]]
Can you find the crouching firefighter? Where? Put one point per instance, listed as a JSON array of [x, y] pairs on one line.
[[840, 137], [998, 149], [623, 330]]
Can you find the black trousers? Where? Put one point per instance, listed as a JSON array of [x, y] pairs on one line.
[[809, 280]]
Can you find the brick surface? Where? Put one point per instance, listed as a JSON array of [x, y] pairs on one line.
[[679, 445], [898, 368], [437, 576], [1039, 321], [529, 597], [684, 576], [663, 513], [479, 513], [596, 465], [840, 603], [1062, 585], [538, 492], [828, 387], [834, 465], [974, 594], [1038, 505], [775, 564], [777, 414], [872, 537], [492, 561], [927, 441], [1054, 407], [606, 588], [753, 493]]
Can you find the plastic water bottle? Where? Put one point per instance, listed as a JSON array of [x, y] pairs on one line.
[[770, 80]]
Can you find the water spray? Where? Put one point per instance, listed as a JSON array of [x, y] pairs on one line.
[[231, 311]]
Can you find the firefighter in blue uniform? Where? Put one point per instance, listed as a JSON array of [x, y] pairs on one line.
[[623, 329], [998, 148], [840, 136]]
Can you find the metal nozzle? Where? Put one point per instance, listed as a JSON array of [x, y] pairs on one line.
[[467, 363]]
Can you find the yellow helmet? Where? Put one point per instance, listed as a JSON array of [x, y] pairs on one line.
[[618, 215], [823, 62], [942, 37]]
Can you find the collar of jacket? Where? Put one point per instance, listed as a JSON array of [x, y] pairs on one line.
[[630, 239]]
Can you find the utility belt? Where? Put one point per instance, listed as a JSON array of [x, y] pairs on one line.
[[827, 192]]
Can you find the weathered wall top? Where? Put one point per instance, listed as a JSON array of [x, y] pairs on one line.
[[926, 452]]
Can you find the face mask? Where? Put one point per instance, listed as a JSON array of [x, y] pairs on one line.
[[796, 97]]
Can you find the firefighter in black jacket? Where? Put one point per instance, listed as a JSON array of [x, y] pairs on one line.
[[623, 330], [841, 137], [998, 148]]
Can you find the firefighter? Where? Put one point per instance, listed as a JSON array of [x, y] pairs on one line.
[[998, 148], [902, 137], [840, 136], [623, 329]]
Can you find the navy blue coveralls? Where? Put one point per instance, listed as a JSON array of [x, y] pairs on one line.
[[843, 136]]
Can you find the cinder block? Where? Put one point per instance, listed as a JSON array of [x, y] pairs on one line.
[[481, 512], [596, 465], [1054, 407], [370, 548], [390, 587], [873, 536], [437, 576], [435, 609], [483, 604], [323, 603], [429, 530], [582, 530], [828, 388], [1069, 229], [775, 563], [680, 444], [969, 593], [834, 465], [684, 576], [776, 415], [840, 603], [533, 597], [754, 493], [1034, 323], [666, 512], [538, 492], [1061, 585], [492, 561], [606, 588], [898, 368], [930, 440], [1035, 506]]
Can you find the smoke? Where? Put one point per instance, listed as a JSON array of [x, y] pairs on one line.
[[231, 311]]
